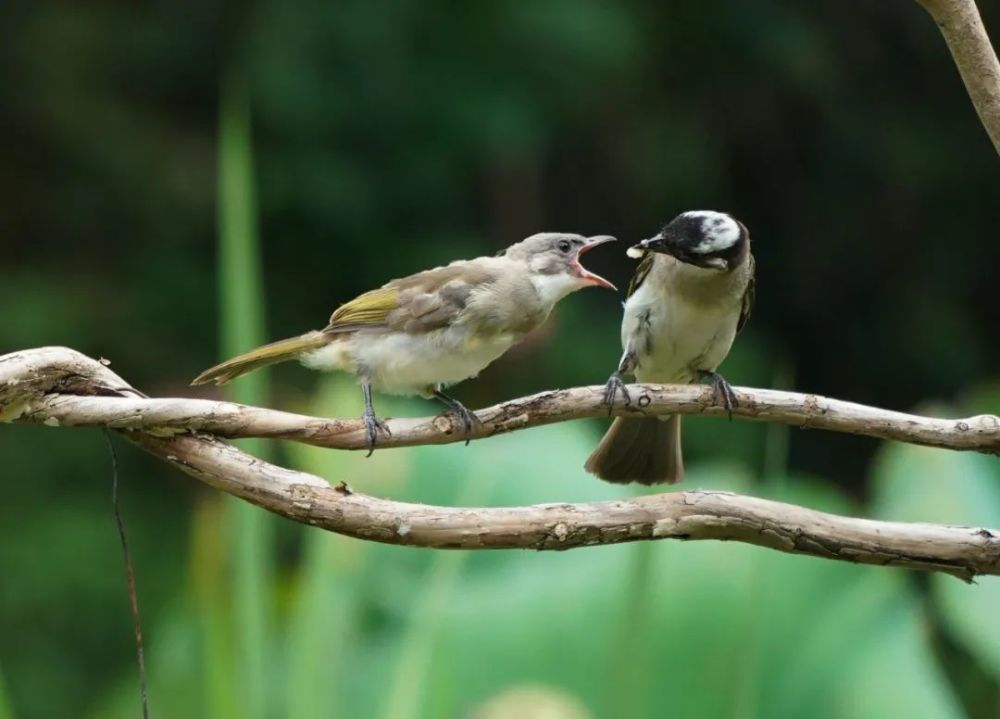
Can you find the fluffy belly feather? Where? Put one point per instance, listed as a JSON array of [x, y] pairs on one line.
[[411, 364], [673, 339]]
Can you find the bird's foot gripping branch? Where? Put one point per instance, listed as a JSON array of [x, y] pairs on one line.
[[60, 387]]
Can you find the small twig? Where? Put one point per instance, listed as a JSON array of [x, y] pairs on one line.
[[974, 56], [129, 576]]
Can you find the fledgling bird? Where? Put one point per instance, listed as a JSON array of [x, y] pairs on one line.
[[691, 293], [422, 333]]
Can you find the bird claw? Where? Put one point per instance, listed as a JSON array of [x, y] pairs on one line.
[[722, 392], [468, 417], [611, 390], [373, 425]]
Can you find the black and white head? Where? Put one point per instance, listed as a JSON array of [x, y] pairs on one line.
[[704, 238], [553, 258]]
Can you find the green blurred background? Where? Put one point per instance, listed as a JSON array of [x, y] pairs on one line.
[[179, 181]]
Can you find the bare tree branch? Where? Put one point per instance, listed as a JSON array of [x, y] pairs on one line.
[[57, 385], [226, 419], [970, 47], [962, 551]]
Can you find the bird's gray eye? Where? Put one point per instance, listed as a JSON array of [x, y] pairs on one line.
[[564, 245]]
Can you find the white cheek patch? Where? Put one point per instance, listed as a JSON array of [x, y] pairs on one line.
[[720, 231], [552, 288]]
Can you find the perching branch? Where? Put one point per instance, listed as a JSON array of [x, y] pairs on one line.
[[56, 403], [57, 386], [970, 48]]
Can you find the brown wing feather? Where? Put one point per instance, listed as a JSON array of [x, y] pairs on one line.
[[748, 295], [416, 304]]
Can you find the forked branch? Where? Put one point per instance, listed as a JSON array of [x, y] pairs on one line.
[[58, 386]]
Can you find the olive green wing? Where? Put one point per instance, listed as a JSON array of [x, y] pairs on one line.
[[416, 304], [645, 265], [748, 296], [368, 311]]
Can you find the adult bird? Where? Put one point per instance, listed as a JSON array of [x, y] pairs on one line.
[[419, 334], [691, 293]]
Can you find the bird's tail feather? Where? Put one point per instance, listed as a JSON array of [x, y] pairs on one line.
[[645, 450], [261, 357]]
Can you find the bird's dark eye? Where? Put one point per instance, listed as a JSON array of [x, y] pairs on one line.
[[564, 245]]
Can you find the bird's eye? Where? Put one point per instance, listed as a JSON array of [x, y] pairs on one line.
[[564, 245]]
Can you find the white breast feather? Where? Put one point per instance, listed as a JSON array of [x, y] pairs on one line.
[[673, 337], [400, 363]]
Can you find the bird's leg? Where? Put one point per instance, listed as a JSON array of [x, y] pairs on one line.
[[616, 384], [722, 391], [372, 423], [467, 416]]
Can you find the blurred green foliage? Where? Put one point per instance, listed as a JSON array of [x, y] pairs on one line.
[[241, 306], [389, 137]]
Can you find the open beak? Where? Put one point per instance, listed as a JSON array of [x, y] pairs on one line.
[[586, 275]]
